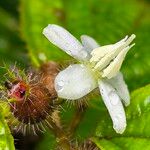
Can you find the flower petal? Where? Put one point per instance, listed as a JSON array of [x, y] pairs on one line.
[[74, 82], [66, 41], [121, 88], [89, 43], [114, 106]]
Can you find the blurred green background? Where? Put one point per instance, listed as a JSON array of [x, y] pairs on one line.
[[21, 39]]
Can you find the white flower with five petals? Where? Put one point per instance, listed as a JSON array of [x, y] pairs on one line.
[[99, 67]]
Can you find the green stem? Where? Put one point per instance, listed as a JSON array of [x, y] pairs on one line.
[[61, 137], [78, 116]]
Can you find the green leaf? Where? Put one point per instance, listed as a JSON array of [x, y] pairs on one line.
[[104, 144], [123, 143], [138, 129], [6, 139]]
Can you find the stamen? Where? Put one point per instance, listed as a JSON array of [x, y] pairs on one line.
[[109, 57], [115, 65]]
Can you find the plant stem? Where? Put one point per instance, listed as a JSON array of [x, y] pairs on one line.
[[61, 137], [78, 116]]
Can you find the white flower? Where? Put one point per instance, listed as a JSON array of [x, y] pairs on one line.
[[99, 67]]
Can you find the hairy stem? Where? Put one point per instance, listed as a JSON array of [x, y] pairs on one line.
[[78, 116], [61, 136]]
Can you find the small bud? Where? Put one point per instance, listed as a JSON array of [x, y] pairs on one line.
[[30, 97]]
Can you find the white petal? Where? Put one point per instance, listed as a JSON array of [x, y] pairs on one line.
[[114, 106], [66, 41], [115, 65], [89, 43], [121, 88], [74, 82]]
